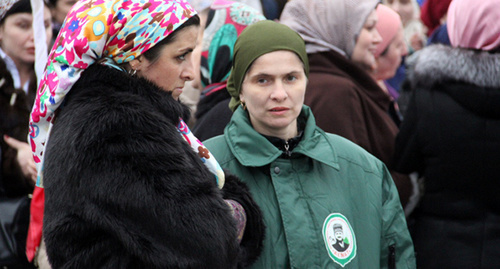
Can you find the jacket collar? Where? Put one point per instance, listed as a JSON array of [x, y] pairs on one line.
[[253, 149]]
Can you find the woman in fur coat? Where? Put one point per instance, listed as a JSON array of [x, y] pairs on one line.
[[451, 136], [126, 183]]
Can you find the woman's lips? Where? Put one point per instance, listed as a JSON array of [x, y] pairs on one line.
[[278, 110]]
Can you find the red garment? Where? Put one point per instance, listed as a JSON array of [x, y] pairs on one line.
[[431, 13], [36, 221]]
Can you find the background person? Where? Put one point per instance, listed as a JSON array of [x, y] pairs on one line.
[[341, 39], [389, 54], [306, 181], [17, 94], [450, 136], [225, 22]]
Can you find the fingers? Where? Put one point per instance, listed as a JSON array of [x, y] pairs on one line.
[[12, 142], [24, 157]]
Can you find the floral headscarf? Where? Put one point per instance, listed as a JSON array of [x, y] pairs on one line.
[[227, 20], [111, 32]]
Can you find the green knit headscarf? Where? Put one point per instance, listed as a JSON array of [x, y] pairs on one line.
[[256, 40]]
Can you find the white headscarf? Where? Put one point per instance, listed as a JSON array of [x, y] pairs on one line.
[[326, 24]]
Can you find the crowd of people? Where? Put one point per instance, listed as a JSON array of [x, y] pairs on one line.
[[325, 134]]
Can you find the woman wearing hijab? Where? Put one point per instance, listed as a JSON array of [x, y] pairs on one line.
[[126, 184], [326, 202], [225, 22], [17, 94], [389, 54], [451, 137], [341, 40]]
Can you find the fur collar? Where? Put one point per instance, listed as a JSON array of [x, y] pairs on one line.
[[121, 85], [438, 63]]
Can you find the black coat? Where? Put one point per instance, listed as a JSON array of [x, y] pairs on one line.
[[124, 190], [14, 122], [212, 115], [451, 136]]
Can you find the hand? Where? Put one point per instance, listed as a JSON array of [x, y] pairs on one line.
[[24, 157], [416, 42]]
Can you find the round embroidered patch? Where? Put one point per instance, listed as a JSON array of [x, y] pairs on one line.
[[339, 239]]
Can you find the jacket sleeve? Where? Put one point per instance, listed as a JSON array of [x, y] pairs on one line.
[[397, 246], [251, 243]]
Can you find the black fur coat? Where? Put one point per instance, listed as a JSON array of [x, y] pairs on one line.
[[124, 190]]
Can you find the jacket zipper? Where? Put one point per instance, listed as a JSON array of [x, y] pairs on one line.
[[287, 146], [392, 257]]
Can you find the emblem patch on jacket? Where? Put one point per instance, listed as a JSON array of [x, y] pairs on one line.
[[339, 239]]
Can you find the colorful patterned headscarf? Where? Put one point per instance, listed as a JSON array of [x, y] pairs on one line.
[[227, 20], [112, 31]]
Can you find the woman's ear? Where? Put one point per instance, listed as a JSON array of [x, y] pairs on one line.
[[136, 64], [241, 98]]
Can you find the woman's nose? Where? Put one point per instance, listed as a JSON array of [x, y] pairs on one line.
[[188, 72], [279, 92]]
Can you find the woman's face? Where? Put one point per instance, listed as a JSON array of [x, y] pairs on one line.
[[273, 90], [366, 44], [404, 8], [388, 63], [174, 66], [61, 9], [17, 38]]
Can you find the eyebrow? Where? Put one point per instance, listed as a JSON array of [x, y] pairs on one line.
[[267, 74], [184, 50]]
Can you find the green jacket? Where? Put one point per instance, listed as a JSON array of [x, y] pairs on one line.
[[328, 187]]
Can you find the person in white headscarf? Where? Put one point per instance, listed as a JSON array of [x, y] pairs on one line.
[[341, 41]]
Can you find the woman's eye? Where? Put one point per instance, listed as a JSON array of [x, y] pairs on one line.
[[182, 57], [24, 25], [261, 80], [291, 78]]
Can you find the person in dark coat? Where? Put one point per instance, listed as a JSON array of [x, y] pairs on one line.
[[225, 22], [126, 183], [17, 94], [451, 137], [341, 40]]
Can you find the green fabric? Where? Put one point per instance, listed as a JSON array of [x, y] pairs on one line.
[[326, 174], [256, 40]]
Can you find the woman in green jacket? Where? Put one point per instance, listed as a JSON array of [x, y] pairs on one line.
[[327, 203]]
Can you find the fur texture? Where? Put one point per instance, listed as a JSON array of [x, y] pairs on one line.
[[123, 190], [439, 63], [470, 77]]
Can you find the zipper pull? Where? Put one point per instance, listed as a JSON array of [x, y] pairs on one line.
[[287, 146]]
